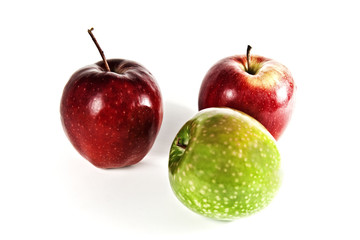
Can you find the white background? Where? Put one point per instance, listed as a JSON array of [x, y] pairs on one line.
[[48, 191]]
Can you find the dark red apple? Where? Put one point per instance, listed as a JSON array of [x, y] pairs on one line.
[[258, 86], [112, 111]]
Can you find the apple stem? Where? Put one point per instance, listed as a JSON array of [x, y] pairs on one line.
[[248, 57], [99, 48], [183, 146]]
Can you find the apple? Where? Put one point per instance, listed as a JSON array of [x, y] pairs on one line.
[[258, 86], [112, 111], [224, 164]]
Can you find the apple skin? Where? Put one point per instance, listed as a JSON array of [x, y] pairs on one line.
[[266, 91], [224, 164], [112, 117]]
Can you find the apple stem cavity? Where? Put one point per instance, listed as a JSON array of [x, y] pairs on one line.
[[248, 58], [99, 48]]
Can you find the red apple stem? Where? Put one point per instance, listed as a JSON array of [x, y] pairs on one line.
[[248, 57], [99, 48]]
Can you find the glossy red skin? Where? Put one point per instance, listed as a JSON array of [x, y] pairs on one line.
[[271, 105], [112, 118]]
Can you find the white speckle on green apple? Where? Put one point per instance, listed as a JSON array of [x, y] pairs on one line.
[[224, 164]]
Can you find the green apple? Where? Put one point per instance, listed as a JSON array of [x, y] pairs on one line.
[[224, 164]]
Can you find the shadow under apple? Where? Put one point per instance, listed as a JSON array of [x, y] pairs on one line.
[[136, 199]]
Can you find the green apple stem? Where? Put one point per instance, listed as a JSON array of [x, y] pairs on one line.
[[183, 146], [248, 57], [99, 48]]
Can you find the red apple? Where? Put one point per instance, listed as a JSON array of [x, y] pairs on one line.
[[112, 111], [258, 86]]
